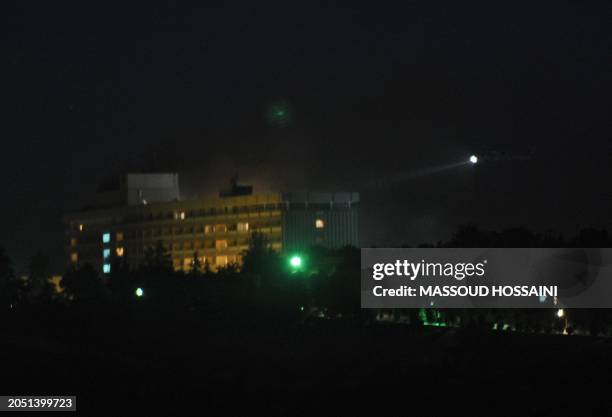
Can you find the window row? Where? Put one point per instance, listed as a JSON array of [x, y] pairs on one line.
[[190, 263], [206, 212], [196, 229]]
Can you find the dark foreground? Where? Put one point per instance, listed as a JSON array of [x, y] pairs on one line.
[[162, 366]]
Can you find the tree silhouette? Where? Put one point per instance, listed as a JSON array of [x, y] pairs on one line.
[[591, 238], [196, 268], [11, 287], [83, 284], [39, 288], [470, 236], [158, 259], [259, 260], [206, 269]]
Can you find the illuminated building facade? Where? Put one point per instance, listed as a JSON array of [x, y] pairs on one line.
[[214, 230]]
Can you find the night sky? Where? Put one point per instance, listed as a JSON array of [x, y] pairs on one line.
[[93, 89]]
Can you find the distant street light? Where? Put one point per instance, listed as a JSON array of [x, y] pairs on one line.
[[562, 316], [139, 292], [473, 159]]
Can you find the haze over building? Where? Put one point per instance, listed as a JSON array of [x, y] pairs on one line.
[[133, 215]]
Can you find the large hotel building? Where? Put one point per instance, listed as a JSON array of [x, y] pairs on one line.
[[139, 211]]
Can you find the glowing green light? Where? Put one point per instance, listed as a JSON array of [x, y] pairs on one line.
[[423, 315], [139, 292], [301, 308], [295, 261], [280, 113]]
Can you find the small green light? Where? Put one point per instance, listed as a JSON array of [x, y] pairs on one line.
[[139, 292], [301, 308], [280, 113], [295, 261]]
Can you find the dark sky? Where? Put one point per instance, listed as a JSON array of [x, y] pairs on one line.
[[93, 89]]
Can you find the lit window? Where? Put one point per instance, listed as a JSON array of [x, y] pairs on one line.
[[319, 223], [106, 253], [221, 260], [80, 227], [207, 229], [106, 238], [220, 228], [119, 251], [220, 244], [176, 263], [74, 257], [179, 215], [242, 227], [73, 241], [55, 284], [119, 236], [106, 268], [187, 263]]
